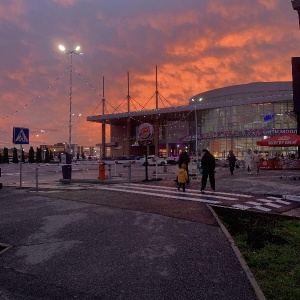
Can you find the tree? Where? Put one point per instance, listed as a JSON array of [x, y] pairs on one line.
[[5, 156], [51, 156], [31, 155], [23, 156], [38, 157], [15, 156], [47, 156]]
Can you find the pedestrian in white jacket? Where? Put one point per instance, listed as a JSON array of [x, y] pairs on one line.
[[249, 161]]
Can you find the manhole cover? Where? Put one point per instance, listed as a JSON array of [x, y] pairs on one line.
[[4, 247]]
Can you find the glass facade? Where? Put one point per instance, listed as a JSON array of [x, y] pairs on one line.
[[239, 127]]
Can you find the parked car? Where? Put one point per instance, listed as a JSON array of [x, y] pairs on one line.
[[55, 160], [125, 159], [153, 160], [172, 160]]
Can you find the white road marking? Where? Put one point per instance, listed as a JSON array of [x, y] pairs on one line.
[[121, 189], [283, 202], [265, 200], [188, 189], [262, 208], [253, 203], [173, 190], [239, 206], [263, 204], [273, 205]]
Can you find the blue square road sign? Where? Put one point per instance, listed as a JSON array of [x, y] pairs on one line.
[[20, 135]]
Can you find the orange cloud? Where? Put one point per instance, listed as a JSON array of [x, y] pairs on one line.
[[197, 45]]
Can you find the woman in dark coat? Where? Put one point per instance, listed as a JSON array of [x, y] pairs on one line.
[[184, 158], [208, 165], [231, 160]]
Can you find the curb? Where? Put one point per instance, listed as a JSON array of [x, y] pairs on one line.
[[291, 197], [258, 292]]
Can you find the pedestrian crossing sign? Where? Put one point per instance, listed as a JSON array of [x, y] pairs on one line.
[[20, 135]]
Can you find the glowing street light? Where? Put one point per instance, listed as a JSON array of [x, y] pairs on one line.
[[75, 51]]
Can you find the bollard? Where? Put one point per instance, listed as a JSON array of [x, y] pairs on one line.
[[66, 171], [115, 169], [165, 168], [101, 171], [36, 178], [129, 172], [109, 171], [0, 183]]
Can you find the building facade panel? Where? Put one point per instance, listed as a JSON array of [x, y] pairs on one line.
[[223, 119]]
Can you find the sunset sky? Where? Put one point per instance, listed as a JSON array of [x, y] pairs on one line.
[[198, 45]]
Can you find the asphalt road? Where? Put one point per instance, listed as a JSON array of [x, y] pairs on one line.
[[97, 244], [92, 239]]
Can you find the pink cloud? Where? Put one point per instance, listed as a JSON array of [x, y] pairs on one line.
[[197, 46]]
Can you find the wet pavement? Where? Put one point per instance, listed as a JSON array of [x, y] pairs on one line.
[[114, 239]]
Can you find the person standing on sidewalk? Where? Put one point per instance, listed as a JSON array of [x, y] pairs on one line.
[[182, 177], [249, 161], [208, 165], [231, 160], [256, 160]]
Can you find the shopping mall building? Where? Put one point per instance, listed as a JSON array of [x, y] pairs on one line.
[[233, 117]]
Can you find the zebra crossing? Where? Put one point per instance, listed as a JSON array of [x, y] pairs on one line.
[[228, 199]]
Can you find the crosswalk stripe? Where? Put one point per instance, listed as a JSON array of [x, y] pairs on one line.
[[262, 204], [172, 190], [188, 189], [273, 198], [240, 206], [273, 205], [253, 203], [121, 189], [258, 207], [265, 200], [282, 202]]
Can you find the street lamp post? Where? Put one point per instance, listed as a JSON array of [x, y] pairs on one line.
[[75, 51], [75, 142]]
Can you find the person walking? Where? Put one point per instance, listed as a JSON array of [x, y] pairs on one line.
[[208, 165], [182, 177], [184, 158], [249, 161], [256, 160], [232, 160]]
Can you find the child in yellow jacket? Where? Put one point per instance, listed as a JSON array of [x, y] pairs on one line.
[[182, 177]]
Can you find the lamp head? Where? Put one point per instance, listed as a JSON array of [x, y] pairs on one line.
[[61, 48]]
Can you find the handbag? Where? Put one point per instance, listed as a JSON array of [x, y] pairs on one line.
[[201, 170]]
